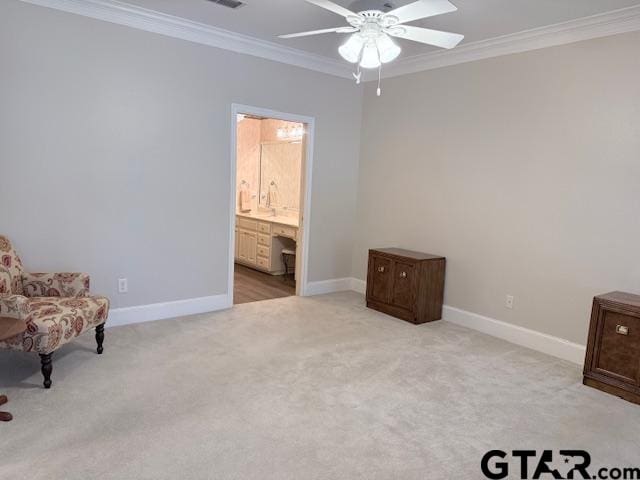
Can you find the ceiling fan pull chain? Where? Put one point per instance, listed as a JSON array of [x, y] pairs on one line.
[[379, 91], [358, 74]]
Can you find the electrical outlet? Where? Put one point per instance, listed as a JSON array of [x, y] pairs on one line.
[[509, 302], [123, 285]]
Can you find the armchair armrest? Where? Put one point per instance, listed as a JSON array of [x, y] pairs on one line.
[[55, 284], [14, 306]]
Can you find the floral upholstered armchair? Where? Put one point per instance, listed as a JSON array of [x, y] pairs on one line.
[[56, 308]]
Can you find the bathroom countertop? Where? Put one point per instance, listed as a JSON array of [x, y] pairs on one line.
[[280, 219]]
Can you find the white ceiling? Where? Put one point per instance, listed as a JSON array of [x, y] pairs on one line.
[[476, 19]]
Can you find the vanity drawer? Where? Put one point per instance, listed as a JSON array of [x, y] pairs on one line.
[[284, 231], [263, 262], [264, 240], [264, 251], [264, 227], [247, 224]]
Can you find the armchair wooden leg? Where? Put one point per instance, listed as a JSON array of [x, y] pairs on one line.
[[100, 338], [45, 361], [4, 416]]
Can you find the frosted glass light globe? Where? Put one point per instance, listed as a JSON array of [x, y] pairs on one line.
[[370, 57], [351, 49], [389, 51]]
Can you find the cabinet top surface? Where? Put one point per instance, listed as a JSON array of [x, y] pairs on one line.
[[621, 297], [400, 252], [280, 219]]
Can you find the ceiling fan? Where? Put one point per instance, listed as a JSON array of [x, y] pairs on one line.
[[376, 21]]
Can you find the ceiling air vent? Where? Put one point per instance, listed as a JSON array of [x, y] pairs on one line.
[[228, 3]]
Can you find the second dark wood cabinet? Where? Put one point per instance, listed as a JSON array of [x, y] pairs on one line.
[[405, 284], [612, 361]]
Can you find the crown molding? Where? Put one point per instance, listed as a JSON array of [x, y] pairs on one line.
[[122, 13], [586, 28], [610, 23]]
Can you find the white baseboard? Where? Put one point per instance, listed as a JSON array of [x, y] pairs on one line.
[[328, 286], [336, 285], [358, 285], [542, 342], [161, 311]]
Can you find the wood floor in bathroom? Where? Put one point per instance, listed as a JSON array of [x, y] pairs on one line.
[[253, 286]]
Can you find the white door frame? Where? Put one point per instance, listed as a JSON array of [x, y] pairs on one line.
[[236, 109]]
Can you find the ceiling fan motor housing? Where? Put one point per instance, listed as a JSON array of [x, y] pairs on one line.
[[383, 6]]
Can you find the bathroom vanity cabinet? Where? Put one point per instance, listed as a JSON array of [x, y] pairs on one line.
[[259, 241]]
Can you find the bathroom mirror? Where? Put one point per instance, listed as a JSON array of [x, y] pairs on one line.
[[280, 169]]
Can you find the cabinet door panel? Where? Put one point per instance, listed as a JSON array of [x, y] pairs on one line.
[[619, 347], [252, 247], [404, 285], [247, 246], [381, 279], [242, 245]]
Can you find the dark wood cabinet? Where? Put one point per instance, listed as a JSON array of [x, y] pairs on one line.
[[380, 278], [612, 363], [405, 284]]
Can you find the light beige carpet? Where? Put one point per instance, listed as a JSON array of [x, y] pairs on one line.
[[298, 388]]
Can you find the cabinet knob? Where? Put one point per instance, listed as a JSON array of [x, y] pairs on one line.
[[622, 330], [403, 275], [381, 269]]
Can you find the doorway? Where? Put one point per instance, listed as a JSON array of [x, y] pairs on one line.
[[271, 160]]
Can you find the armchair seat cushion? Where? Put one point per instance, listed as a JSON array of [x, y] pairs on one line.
[[54, 321]]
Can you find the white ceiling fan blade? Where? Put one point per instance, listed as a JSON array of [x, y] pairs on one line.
[[333, 7], [426, 35], [318, 32], [422, 9]]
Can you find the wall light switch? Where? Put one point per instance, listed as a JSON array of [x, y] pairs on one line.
[[123, 285], [509, 302]]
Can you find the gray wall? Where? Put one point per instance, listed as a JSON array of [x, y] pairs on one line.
[[114, 153], [523, 170]]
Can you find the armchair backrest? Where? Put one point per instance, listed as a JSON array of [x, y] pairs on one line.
[[10, 269]]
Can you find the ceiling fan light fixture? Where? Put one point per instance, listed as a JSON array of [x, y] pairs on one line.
[[388, 49], [375, 24], [352, 48]]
